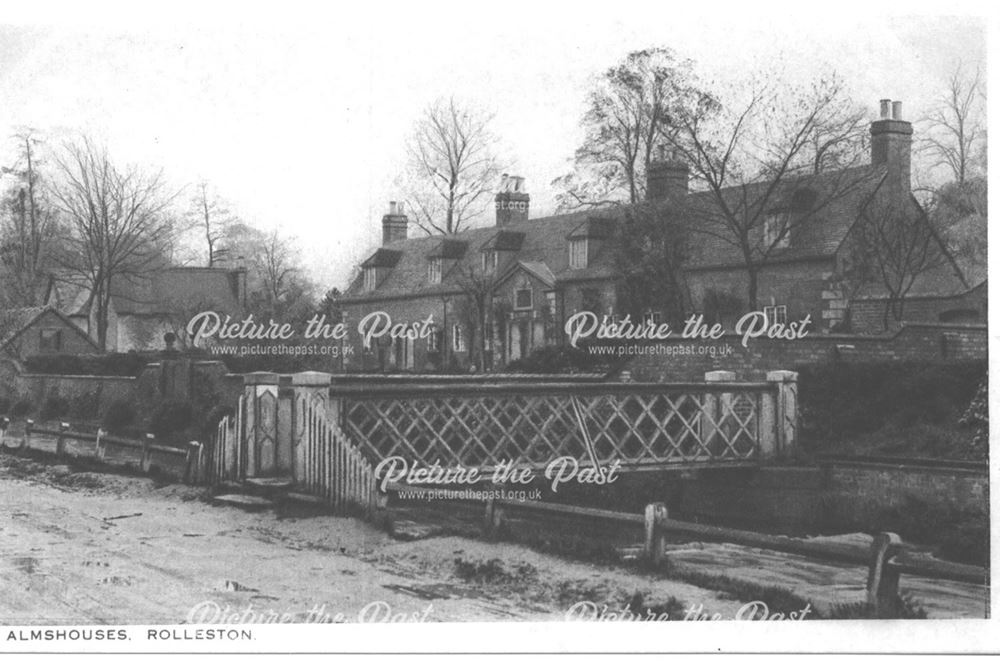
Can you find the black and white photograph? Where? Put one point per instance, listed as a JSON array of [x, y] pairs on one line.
[[531, 316]]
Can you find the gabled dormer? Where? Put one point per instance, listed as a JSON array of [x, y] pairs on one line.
[[586, 240], [375, 270], [498, 252], [443, 257]]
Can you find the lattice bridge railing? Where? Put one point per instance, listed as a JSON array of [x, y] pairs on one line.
[[477, 425]]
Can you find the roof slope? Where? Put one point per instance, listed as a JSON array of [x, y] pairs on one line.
[[15, 321], [160, 292]]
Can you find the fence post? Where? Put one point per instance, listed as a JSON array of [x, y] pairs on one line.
[[4, 424], [144, 463], [189, 460], [713, 407], [284, 437], [883, 576], [787, 410], [492, 520], [26, 442], [100, 446], [656, 543], [61, 439]]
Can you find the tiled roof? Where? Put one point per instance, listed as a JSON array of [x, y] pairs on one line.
[[543, 241], [159, 292], [836, 198], [839, 197]]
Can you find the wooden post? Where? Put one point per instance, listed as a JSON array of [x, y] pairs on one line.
[[787, 410], [61, 439], [4, 424], [656, 544], [144, 460], [100, 445], [193, 448], [26, 442], [883, 576]]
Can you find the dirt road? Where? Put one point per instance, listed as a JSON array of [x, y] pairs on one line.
[[81, 547]]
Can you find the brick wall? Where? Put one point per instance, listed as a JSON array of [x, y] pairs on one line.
[[689, 360], [867, 314]]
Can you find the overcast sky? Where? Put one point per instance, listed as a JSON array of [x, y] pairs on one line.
[[301, 124]]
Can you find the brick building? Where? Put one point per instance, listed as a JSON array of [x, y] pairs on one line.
[[519, 280]]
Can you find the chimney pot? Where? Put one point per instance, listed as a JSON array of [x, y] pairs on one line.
[[884, 107], [897, 111]]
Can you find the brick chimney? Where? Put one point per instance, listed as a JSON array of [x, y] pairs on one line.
[[512, 201], [666, 178], [891, 141], [394, 223]]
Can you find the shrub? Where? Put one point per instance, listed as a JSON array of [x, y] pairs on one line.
[[22, 407], [561, 360], [119, 415], [54, 407], [171, 417], [107, 364]]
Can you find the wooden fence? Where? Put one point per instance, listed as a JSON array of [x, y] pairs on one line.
[[886, 558], [190, 460]]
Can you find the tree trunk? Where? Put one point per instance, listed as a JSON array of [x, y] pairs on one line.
[[752, 287]]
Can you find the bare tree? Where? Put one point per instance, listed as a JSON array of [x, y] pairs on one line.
[[118, 223], [955, 137], [210, 214], [759, 162], [478, 289], [890, 247], [452, 166], [28, 237], [630, 109]]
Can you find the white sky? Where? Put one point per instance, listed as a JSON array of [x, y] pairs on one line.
[[299, 118]]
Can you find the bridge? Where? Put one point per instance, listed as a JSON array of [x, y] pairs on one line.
[[325, 435]]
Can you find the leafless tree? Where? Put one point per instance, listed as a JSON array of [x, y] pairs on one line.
[[28, 237], [211, 216], [452, 166], [629, 110], [890, 247], [760, 163], [956, 136], [117, 219], [478, 289]]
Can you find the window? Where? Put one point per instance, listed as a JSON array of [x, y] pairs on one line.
[[577, 253], [50, 339], [434, 270], [654, 317], [590, 300], [522, 298], [776, 231], [550, 304], [434, 341], [489, 261], [776, 314], [371, 278], [457, 339]]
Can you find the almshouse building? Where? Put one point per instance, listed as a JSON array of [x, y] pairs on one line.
[[519, 280]]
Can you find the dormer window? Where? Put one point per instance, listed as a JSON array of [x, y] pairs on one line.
[[489, 261], [371, 278], [578, 253], [434, 270], [776, 231]]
